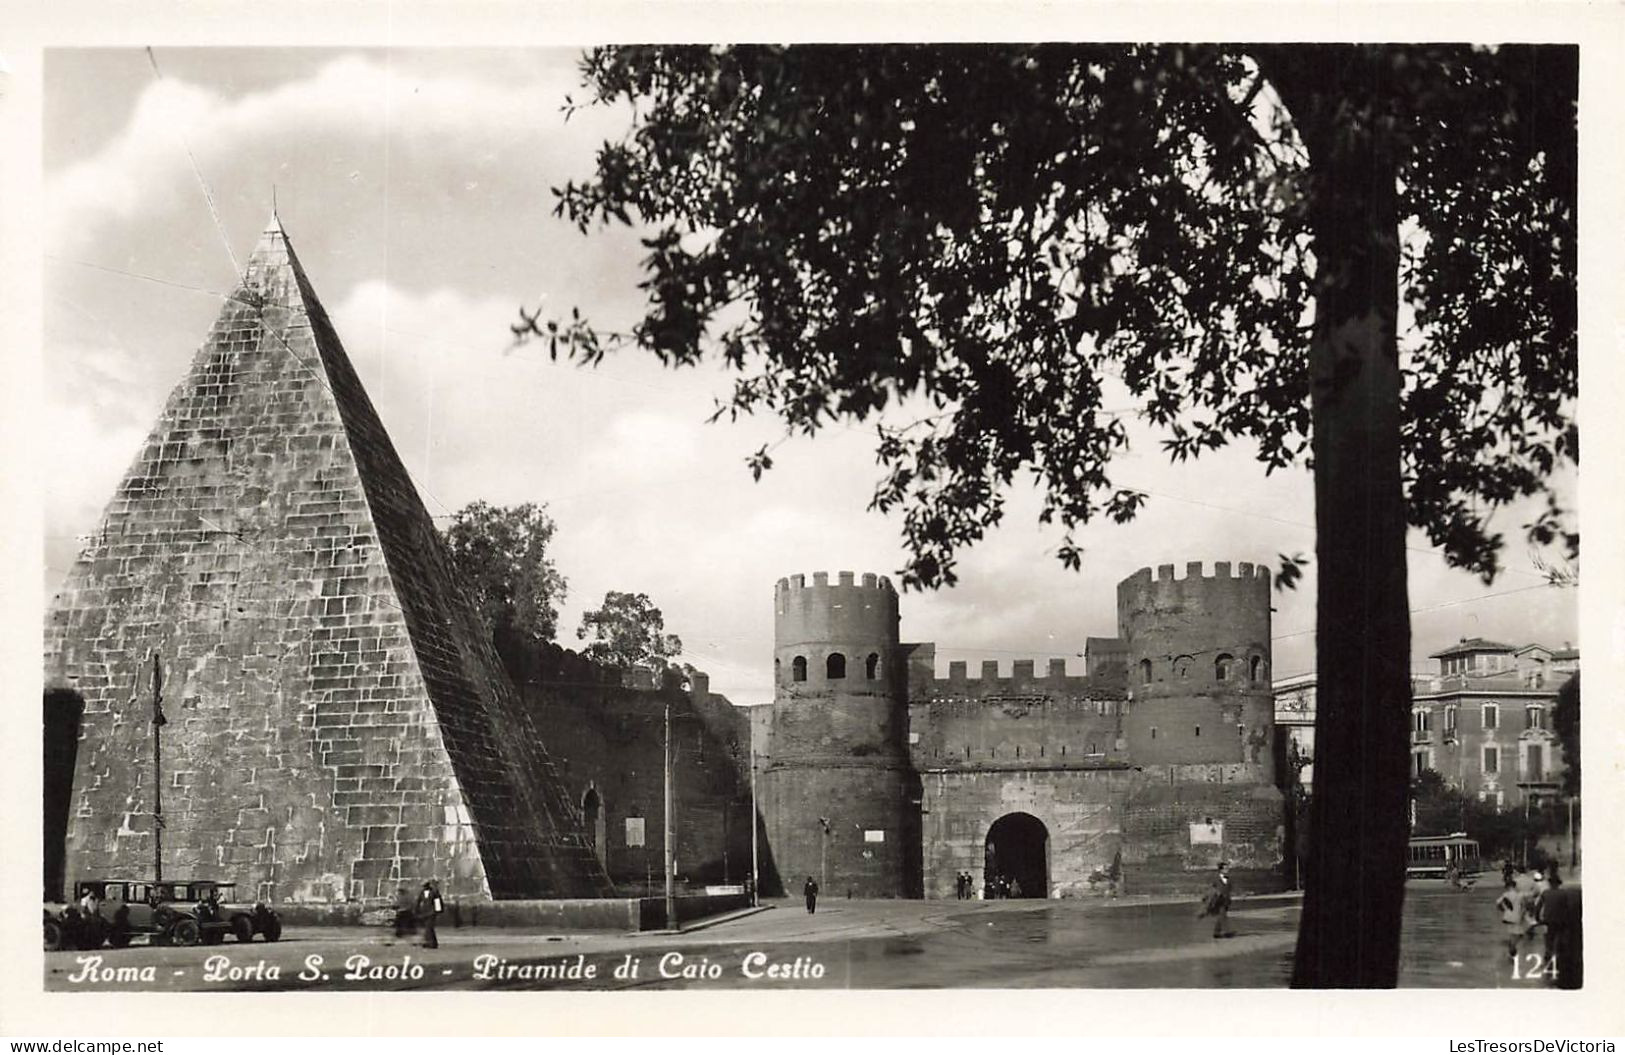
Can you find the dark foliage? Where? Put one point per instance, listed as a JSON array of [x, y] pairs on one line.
[[500, 555]]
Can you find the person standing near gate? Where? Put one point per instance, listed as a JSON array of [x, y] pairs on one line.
[[1217, 903], [811, 891]]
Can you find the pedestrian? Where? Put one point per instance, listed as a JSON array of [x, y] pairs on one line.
[[1560, 913], [90, 905], [1533, 897], [810, 889], [404, 922], [1513, 921], [1015, 887], [1506, 871], [429, 907], [1217, 903]]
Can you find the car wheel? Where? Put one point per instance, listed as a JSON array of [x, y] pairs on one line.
[[273, 928], [243, 928], [53, 935], [184, 932]]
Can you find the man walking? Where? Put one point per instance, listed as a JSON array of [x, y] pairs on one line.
[[1217, 903], [428, 910], [811, 891]]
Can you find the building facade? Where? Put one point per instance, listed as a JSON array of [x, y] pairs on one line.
[[1484, 722], [881, 778]]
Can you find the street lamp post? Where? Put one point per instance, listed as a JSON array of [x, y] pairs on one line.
[[671, 864], [755, 877], [823, 854], [158, 723]]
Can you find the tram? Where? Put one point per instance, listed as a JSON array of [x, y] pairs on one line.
[[1435, 856]]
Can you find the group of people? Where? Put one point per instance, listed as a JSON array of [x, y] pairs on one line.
[[412, 914], [1541, 901], [997, 887]]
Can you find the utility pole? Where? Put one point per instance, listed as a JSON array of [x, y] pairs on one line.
[[671, 864], [755, 877], [158, 723]]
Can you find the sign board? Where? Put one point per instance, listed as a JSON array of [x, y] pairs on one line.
[[634, 831], [1204, 832], [872, 836]]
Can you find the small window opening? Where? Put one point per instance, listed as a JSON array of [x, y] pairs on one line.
[[871, 665], [798, 668], [835, 666]]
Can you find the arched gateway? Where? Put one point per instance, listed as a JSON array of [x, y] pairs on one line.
[[1018, 852]]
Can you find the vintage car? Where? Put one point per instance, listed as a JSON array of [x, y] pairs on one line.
[[183, 912], [221, 913]]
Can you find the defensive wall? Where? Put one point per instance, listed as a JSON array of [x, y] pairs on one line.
[[608, 742]]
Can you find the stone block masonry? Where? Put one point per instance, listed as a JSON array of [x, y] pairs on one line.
[[338, 722]]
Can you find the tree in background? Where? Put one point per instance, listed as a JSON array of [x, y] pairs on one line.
[[1566, 724], [1000, 235], [1512, 833], [500, 555], [628, 632]]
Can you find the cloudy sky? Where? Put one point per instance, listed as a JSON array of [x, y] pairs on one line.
[[415, 186]]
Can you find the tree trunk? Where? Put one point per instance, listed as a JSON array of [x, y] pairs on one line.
[[1355, 890]]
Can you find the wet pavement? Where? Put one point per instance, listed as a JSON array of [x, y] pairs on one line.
[[1451, 940]]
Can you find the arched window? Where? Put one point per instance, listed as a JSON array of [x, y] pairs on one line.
[[778, 671], [835, 666], [1221, 666], [871, 666], [1182, 667], [1145, 671], [1257, 671], [798, 669]]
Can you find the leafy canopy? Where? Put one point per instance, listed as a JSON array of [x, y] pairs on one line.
[[629, 632], [500, 554], [1002, 234]]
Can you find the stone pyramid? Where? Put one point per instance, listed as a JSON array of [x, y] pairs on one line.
[[338, 724]]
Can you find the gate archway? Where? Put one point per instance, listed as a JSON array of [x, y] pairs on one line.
[[592, 815], [1017, 851]]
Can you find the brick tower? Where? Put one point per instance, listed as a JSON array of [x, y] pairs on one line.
[[1198, 667], [839, 796], [1199, 729], [338, 724]]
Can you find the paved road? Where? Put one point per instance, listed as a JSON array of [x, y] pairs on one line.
[[1450, 941]]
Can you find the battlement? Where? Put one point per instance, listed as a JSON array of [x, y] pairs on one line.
[[1245, 571], [1023, 679], [820, 580]]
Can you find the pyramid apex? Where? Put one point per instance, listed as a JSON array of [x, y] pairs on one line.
[[270, 266]]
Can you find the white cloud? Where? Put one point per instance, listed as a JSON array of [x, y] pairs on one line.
[[145, 168]]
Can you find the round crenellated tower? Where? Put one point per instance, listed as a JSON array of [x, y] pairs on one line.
[[836, 786], [1199, 667]]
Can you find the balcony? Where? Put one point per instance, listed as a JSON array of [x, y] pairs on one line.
[[1421, 736]]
